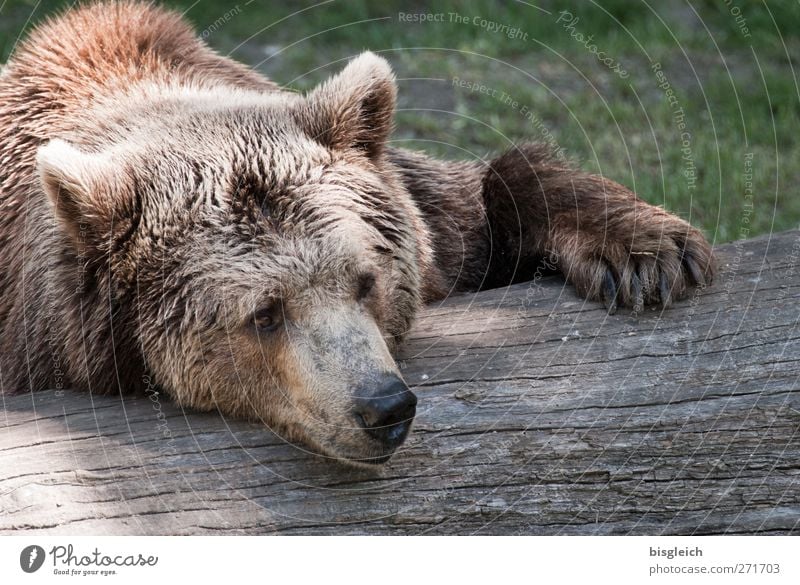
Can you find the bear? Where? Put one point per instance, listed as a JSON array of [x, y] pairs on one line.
[[173, 221]]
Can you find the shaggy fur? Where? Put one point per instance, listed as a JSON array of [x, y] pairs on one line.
[[169, 215]]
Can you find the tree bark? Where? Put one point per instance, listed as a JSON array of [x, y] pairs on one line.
[[539, 414]]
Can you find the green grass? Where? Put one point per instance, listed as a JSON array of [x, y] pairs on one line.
[[739, 92]]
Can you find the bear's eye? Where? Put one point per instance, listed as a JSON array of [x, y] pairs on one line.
[[366, 284], [267, 318]]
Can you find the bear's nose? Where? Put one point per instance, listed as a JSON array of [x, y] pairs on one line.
[[386, 413]]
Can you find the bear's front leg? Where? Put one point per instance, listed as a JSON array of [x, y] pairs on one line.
[[610, 244]]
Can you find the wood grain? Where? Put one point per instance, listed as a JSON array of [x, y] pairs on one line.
[[539, 414]]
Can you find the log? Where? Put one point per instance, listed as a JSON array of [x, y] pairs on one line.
[[539, 414]]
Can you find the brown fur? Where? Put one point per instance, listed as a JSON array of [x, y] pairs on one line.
[[155, 196]]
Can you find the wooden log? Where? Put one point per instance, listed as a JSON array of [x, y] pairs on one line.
[[539, 414]]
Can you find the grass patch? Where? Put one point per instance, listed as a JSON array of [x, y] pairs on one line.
[[728, 66]]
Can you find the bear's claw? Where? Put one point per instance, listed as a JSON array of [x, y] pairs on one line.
[[694, 270], [636, 293], [664, 290], [610, 292], [654, 269]]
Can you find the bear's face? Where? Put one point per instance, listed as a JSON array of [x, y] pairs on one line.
[[272, 256]]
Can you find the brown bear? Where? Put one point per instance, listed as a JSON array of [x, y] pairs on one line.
[[171, 217]]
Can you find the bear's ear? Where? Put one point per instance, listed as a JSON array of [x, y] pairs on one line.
[[85, 190], [354, 109]]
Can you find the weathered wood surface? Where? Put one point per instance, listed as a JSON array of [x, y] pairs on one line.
[[539, 414]]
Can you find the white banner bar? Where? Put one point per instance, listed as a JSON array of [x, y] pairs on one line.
[[401, 560]]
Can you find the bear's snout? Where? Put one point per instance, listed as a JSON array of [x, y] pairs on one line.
[[385, 410]]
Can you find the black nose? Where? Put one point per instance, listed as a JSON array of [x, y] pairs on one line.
[[386, 410]]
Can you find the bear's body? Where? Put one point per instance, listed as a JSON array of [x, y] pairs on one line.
[[68, 68], [168, 215]]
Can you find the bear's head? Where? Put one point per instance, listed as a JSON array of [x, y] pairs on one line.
[[270, 253]]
